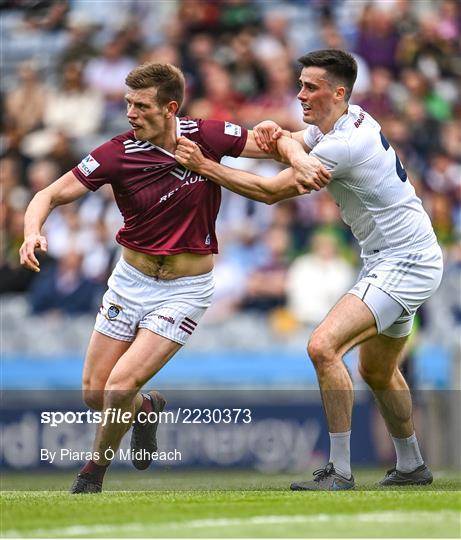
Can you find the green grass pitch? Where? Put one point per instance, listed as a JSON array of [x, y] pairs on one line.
[[176, 504]]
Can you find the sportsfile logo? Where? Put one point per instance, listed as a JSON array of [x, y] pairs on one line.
[[181, 415], [88, 165]]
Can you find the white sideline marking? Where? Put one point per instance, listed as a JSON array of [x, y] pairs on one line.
[[364, 517]]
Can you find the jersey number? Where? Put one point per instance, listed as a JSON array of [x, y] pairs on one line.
[[401, 172]]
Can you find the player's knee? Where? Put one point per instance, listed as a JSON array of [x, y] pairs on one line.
[[93, 393], [377, 380], [319, 350], [94, 399], [120, 392]]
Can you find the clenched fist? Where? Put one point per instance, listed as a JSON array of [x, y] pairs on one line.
[[189, 154]]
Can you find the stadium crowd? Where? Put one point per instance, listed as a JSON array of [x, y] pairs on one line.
[[64, 65]]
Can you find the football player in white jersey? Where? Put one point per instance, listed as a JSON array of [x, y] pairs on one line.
[[402, 262]]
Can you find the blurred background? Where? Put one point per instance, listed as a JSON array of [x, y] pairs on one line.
[[281, 267]]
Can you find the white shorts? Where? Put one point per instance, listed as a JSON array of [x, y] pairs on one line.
[[170, 308], [395, 287]]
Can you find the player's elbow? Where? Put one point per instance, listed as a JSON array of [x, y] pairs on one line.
[[266, 194], [271, 198], [274, 195], [42, 199]]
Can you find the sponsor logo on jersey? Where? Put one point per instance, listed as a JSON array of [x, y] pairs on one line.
[[187, 178], [359, 120], [232, 129], [88, 165], [168, 195], [167, 319], [374, 276], [188, 325]]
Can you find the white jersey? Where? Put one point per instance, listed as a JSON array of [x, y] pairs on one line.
[[370, 185]]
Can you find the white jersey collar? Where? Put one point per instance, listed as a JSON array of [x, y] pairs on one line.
[[178, 128], [342, 119]]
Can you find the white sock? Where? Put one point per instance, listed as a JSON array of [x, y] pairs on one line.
[[408, 454], [340, 453]]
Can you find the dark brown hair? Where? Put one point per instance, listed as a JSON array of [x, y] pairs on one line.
[[340, 66], [166, 78]]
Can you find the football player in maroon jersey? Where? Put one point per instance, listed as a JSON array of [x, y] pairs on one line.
[[163, 282]]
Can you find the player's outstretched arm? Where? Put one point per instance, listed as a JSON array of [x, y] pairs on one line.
[[268, 190], [64, 190], [290, 148]]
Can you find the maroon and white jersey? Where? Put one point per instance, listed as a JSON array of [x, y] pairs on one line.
[[166, 208]]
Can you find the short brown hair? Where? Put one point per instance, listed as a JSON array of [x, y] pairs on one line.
[[340, 65], [168, 79]]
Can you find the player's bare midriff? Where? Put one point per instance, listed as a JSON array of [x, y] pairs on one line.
[[169, 266]]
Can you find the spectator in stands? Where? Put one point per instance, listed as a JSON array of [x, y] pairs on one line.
[[273, 39], [377, 41], [66, 151], [63, 288], [230, 280], [106, 74], [444, 175], [238, 14], [332, 39], [47, 16], [265, 285], [197, 51], [377, 100], [26, 104], [451, 139], [74, 99], [430, 49], [10, 174], [162, 53], [441, 211], [80, 47], [317, 279], [13, 278], [131, 38], [219, 101], [40, 174], [424, 131], [198, 16], [248, 77], [279, 99]]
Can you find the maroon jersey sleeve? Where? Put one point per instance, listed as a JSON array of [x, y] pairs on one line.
[[99, 167], [222, 138]]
